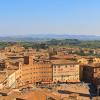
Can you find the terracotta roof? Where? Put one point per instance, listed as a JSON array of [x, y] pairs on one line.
[[35, 95], [5, 91], [6, 98], [97, 64], [63, 62], [93, 65], [64, 56]]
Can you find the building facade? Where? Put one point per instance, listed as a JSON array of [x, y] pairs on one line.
[[65, 72]]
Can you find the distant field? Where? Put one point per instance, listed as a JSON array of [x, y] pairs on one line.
[[57, 42]]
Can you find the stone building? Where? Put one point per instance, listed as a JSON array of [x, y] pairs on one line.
[[91, 74], [15, 48], [65, 71]]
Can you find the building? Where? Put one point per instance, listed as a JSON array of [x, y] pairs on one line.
[[91, 74], [35, 71], [82, 60], [15, 48], [65, 71], [96, 60]]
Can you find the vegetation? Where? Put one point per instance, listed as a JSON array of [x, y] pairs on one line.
[[75, 43], [55, 42]]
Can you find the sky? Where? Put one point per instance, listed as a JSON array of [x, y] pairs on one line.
[[23, 17]]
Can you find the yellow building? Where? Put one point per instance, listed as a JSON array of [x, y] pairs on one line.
[[14, 48], [96, 60], [65, 71], [82, 61]]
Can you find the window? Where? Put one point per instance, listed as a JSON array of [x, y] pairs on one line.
[[54, 66], [94, 70], [66, 66], [58, 66]]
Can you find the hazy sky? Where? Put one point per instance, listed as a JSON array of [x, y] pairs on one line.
[[49, 16]]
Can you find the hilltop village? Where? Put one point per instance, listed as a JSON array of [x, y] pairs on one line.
[[48, 74]]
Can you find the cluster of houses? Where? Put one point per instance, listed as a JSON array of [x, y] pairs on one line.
[[20, 67]]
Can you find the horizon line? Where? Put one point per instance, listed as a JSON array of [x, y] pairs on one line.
[[12, 35]]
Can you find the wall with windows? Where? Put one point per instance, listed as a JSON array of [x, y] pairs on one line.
[[66, 73]]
